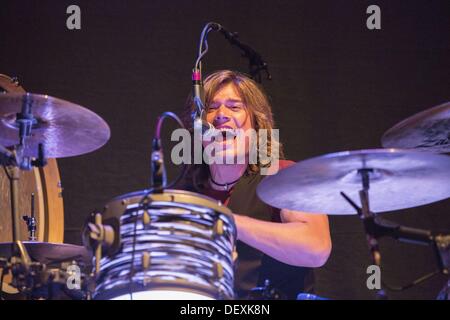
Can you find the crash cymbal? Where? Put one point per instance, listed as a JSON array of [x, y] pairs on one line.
[[428, 130], [400, 179], [50, 253], [64, 128]]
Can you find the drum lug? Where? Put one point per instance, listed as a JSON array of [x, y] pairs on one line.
[[218, 228], [218, 270], [146, 219], [146, 260]]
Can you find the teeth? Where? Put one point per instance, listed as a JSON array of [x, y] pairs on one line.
[[227, 132], [232, 131]]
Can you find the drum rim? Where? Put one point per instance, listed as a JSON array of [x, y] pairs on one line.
[[177, 285], [207, 201]]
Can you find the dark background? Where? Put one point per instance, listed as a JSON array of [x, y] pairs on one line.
[[336, 86]]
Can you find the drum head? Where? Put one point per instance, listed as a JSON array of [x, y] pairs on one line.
[[160, 291]]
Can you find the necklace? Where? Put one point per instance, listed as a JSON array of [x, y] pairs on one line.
[[224, 185]]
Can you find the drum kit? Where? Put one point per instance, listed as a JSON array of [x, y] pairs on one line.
[[174, 244]]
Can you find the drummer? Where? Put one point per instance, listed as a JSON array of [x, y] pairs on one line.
[[278, 245]]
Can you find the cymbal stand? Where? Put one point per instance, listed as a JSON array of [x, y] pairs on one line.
[[15, 161], [376, 227], [367, 217], [442, 244]]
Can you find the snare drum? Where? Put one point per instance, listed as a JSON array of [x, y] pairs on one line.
[[177, 245]]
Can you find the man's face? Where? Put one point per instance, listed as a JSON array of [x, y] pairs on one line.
[[228, 113]]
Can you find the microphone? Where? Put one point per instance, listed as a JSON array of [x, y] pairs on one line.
[[198, 98], [198, 93], [205, 128], [158, 180]]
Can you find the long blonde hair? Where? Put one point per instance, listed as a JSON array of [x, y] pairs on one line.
[[257, 104]]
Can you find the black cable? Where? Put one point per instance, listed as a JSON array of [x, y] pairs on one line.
[[204, 42], [413, 283], [158, 130], [144, 200], [133, 254], [165, 115], [202, 50]]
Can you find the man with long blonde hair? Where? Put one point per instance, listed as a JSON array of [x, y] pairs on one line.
[[278, 245]]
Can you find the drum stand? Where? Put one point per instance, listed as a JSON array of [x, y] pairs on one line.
[[14, 161], [375, 228]]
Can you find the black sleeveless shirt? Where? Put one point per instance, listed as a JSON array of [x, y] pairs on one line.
[[253, 266]]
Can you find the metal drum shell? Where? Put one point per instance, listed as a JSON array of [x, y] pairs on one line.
[[115, 209]]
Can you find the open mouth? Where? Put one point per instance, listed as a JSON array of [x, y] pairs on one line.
[[224, 134]]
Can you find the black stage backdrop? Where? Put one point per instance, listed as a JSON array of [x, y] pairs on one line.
[[336, 86]]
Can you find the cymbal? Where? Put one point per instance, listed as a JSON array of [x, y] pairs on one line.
[[50, 253], [400, 179], [428, 130], [64, 128]]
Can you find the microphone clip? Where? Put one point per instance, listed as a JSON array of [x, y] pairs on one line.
[[158, 178]]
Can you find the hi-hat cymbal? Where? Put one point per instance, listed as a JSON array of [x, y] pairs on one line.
[[400, 179], [50, 253], [428, 130], [65, 129]]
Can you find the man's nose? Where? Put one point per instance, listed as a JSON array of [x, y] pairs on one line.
[[221, 115]]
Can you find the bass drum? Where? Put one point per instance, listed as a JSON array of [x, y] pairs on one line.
[[43, 182]]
